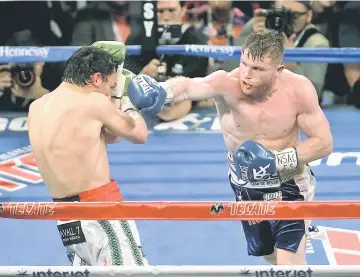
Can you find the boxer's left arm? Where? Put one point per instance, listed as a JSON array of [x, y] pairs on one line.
[[313, 123], [117, 93], [109, 137], [125, 123]]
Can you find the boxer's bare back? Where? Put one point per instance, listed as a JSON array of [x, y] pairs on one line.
[[68, 136], [269, 109]]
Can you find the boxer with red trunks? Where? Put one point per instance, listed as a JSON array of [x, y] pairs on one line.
[[69, 130]]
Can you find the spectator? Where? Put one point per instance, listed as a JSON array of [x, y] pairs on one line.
[[349, 36], [50, 21], [21, 84], [195, 13], [224, 26], [164, 66], [320, 6], [324, 13], [224, 22], [108, 20], [305, 35], [248, 7]]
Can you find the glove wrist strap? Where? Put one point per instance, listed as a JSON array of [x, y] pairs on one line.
[[118, 91], [168, 89], [286, 159], [126, 105]]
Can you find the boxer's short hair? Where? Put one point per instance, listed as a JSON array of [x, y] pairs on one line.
[[87, 61], [264, 43]]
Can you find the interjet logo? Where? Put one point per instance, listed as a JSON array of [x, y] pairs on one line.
[[276, 273], [50, 273]]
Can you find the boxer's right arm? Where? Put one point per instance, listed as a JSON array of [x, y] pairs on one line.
[[150, 96], [197, 88], [128, 124]]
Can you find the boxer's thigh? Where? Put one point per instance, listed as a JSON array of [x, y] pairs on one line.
[[83, 239], [301, 188], [290, 235], [291, 247], [109, 242], [260, 241], [258, 234]]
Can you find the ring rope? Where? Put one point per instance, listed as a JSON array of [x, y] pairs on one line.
[[189, 271], [21, 54], [249, 210]]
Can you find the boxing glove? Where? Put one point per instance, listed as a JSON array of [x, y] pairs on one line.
[[116, 49], [148, 95], [124, 77], [256, 163]]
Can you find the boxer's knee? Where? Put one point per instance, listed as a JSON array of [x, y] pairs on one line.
[[290, 257], [271, 259]]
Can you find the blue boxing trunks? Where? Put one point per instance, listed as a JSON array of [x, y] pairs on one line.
[[263, 236]]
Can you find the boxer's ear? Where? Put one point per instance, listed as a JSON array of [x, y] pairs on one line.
[[279, 69], [97, 79]]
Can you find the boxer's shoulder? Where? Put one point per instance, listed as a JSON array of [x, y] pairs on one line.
[[298, 85], [38, 102], [295, 79], [224, 82], [305, 93], [218, 76], [96, 101]]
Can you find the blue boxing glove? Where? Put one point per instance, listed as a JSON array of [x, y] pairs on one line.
[[149, 96], [256, 163]]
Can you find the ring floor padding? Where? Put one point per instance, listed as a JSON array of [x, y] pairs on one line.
[[191, 167]]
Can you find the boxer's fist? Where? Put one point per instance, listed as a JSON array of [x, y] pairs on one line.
[[255, 161], [124, 78], [123, 81], [114, 48], [258, 163], [148, 95]]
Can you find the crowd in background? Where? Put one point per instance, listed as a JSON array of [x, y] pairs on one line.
[[316, 24]]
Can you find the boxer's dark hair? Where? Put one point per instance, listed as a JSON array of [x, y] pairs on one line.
[[87, 61], [264, 43]]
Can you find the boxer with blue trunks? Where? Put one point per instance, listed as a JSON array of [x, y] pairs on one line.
[[262, 109], [263, 236]]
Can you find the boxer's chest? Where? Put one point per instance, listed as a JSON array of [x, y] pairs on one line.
[[273, 119]]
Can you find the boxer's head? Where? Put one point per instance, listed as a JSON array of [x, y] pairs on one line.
[[261, 61], [92, 69]]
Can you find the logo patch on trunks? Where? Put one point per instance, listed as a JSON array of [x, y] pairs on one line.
[[71, 233], [274, 196]]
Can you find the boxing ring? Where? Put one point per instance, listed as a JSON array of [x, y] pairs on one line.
[[176, 187]]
